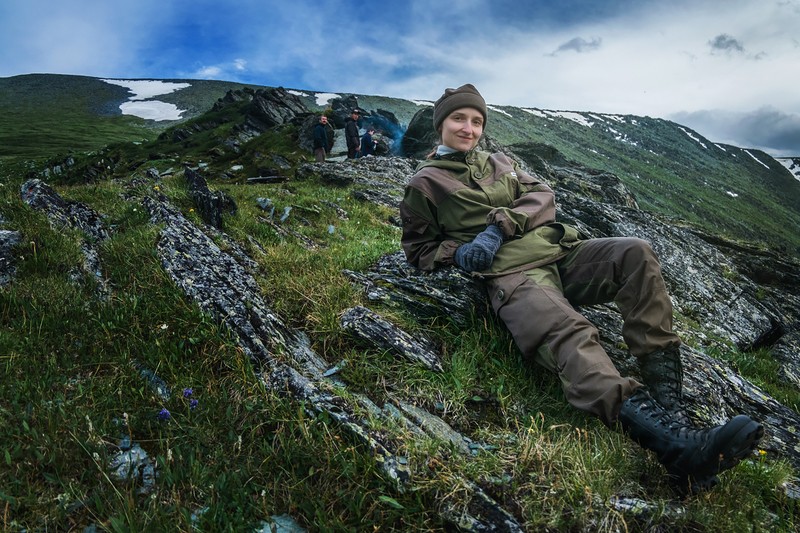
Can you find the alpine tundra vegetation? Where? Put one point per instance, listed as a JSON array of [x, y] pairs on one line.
[[201, 328]]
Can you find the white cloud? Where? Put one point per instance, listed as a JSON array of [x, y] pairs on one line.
[[579, 45], [208, 73]]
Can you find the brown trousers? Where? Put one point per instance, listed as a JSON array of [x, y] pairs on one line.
[[536, 306]]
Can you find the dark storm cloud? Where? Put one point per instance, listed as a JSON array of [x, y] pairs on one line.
[[769, 129], [725, 43], [579, 45]]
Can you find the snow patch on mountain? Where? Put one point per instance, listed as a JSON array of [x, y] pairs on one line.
[[140, 105], [498, 110], [791, 164], [757, 159], [536, 113], [575, 117], [325, 98], [687, 132]]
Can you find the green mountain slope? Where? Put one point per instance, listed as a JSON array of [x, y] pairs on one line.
[[674, 171], [49, 114]]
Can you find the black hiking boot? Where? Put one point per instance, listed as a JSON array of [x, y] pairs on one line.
[[662, 373], [692, 457]]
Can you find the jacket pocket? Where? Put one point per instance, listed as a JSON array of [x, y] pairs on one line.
[[501, 289]]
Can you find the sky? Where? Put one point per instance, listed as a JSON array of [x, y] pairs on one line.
[[729, 69]]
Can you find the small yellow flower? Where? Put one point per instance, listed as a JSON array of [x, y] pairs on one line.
[[191, 209], [762, 453], [156, 188]]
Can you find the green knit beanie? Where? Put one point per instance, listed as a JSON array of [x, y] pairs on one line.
[[452, 99]]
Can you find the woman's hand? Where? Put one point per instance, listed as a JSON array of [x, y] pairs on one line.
[[479, 254]]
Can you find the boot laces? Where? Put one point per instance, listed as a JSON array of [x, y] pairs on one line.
[[662, 371], [651, 409]]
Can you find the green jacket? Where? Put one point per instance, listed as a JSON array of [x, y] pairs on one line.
[[453, 198]]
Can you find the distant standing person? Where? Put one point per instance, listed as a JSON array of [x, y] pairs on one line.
[[368, 144], [351, 134], [321, 139]]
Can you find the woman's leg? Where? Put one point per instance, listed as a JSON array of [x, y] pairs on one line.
[[549, 330], [624, 270]]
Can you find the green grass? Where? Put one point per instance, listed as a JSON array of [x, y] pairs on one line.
[[763, 370], [74, 389]]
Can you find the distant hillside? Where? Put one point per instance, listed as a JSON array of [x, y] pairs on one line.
[[670, 168], [48, 114]]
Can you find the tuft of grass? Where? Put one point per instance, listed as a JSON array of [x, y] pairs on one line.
[[762, 369]]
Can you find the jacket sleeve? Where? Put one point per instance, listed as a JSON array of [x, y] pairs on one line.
[[534, 206], [422, 240]]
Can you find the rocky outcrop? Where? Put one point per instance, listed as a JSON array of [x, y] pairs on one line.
[[264, 109], [379, 333], [377, 180], [64, 214], [211, 205], [273, 107], [420, 136], [341, 108]]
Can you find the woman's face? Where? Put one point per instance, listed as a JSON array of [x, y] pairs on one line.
[[462, 129]]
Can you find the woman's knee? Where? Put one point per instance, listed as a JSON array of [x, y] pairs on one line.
[[639, 248]]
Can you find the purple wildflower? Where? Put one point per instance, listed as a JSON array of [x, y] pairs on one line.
[[187, 392], [164, 414], [193, 404]]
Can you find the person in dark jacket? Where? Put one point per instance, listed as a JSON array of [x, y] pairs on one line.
[[321, 144], [368, 144], [484, 214], [351, 134]]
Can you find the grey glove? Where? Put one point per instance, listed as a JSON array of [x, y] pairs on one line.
[[479, 254]]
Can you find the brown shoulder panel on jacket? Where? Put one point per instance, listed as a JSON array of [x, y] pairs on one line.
[[436, 184]]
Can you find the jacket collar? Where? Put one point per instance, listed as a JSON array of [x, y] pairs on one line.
[[457, 160], [461, 157]]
